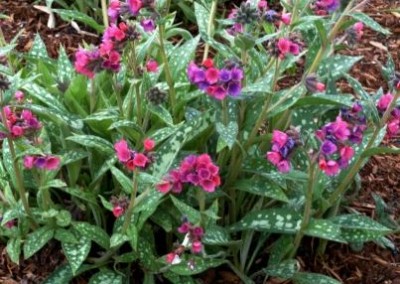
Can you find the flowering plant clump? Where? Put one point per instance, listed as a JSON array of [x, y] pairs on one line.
[[240, 118]]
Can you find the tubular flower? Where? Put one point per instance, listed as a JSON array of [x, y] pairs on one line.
[[283, 145], [132, 159], [47, 162], [393, 123]]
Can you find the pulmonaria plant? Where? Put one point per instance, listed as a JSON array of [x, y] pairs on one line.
[[393, 124], [324, 7], [313, 85], [283, 145], [194, 170], [284, 46], [337, 139], [132, 159], [217, 83], [192, 240]]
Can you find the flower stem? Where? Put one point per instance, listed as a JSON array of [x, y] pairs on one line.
[[134, 67], [92, 98], [167, 70], [129, 211], [104, 12], [307, 210], [210, 27]]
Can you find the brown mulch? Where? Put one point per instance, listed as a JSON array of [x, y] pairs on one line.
[[372, 265], [23, 16]]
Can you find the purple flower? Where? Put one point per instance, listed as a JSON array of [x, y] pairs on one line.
[[225, 75], [328, 148], [148, 25], [234, 88], [236, 74]]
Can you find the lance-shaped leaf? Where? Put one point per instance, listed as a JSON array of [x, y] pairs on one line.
[[367, 20], [308, 278], [195, 265], [192, 214], [324, 229], [275, 220], [77, 253], [262, 186], [285, 270], [106, 277], [92, 141], [36, 240], [94, 233]]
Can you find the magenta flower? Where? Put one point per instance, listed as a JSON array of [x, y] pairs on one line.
[[123, 151], [113, 10], [283, 145], [130, 158], [262, 5], [286, 18], [52, 163], [48, 162], [118, 211], [151, 66], [212, 75], [148, 144], [330, 168], [384, 102], [148, 25], [197, 247], [86, 62], [135, 6], [28, 162], [19, 96], [284, 46]]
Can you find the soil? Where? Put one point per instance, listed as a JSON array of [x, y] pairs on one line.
[[381, 175]]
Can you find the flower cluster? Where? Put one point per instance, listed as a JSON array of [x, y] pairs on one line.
[[393, 124], [43, 162], [195, 170], [337, 137], [132, 8], [19, 123], [285, 46], [355, 33], [217, 83], [193, 236], [119, 205], [324, 7], [132, 159], [313, 85], [283, 145]]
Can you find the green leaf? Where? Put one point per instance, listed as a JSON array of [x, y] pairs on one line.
[[276, 220], [181, 56], [124, 181], [202, 18], [308, 278], [262, 186], [14, 249], [77, 253], [65, 70], [62, 275], [162, 113], [8, 162], [324, 229], [38, 50], [63, 218], [325, 99], [192, 214], [280, 249], [216, 235], [73, 156], [228, 133], [69, 15], [66, 236], [133, 235], [359, 228], [367, 20], [285, 99], [379, 151], [118, 239], [106, 277], [43, 96], [95, 142], [107, 114], [186, 268], [284, 270], [337, 66], [126, 124], [36, 240], [94, 233]]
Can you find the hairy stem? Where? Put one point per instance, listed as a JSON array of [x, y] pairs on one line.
[[129, 211], [210, 27]]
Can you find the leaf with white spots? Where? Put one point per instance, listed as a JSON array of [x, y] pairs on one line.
[[262, 186], [14, 249], [64, 67], [62, 275], [92, 141], [118, 239], [41, 94], [77, 253], [283, 100], [38, 50], [311, 278], [275, 220], [367, 20], [192, 214], [337, 65], [162, 113], [94, 233], [181, 56], [106, 277], [195, 265], [36, 240], [285, 270], [228, 133], [216, 235], [359, 228], [280, 249], [123, 180], [324, 229]]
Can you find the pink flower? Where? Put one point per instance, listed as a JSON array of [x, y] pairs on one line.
[[208, 63], [113, 10], [122, 149], [197, 247], [148, 25], [170, 258], [135, 6], [384, 102], [198, 232], [148, 144], [152, 66], [184, 228], [52, 163], [28, 162], [212, 75], [284, 46], [358, 27], [279, 137], [262, 5], [394, 127], [118, 211], [140, 160], [283, 166], [286, 18], [17, 131], [340, 129], [346, 153], [164, 187], [274, 158], [330, 168], [19, 96], [320, 87]]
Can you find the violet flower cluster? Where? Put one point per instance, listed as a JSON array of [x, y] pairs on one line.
[[193, 236], [194, 170], [19, 123], [132, 159], [42, 162], [337, 139], [217, 83], [283, 145], [131, 8], [324, 7], [393, 124]]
